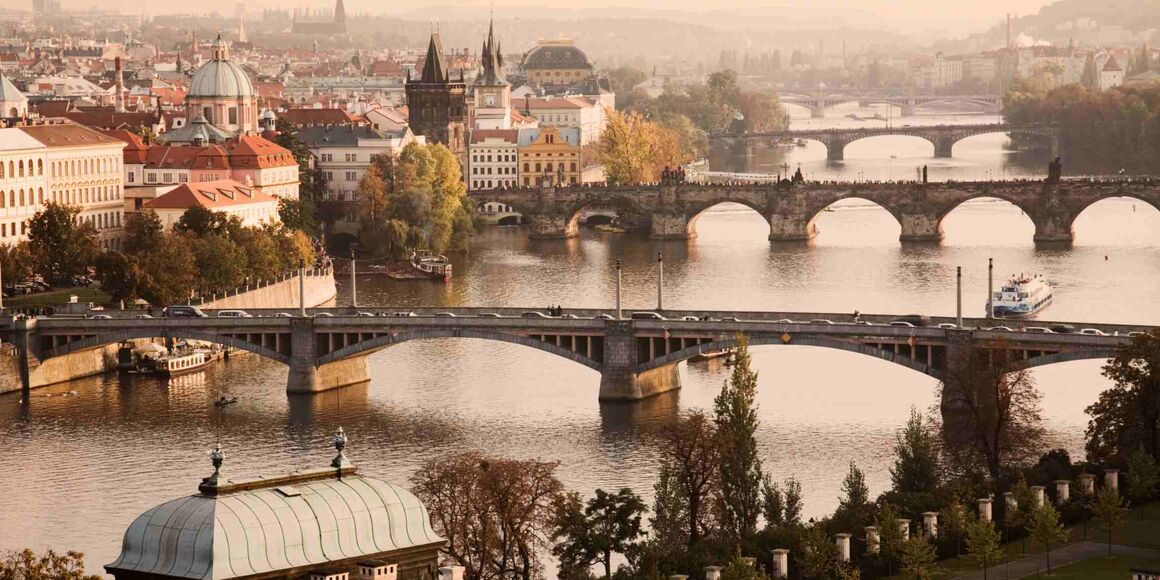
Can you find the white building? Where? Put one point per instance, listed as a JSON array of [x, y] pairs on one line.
[[342, 154], [13, 103], [23, 183], [1111, 74], [493, 159], [580, 112], [940, 73], [226, 196]]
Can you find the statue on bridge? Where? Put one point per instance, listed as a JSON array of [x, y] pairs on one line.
[[1054, 171], [673, 176], [797, 176]]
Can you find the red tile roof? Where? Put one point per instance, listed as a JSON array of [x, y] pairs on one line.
[[510, 135], [307, 117], [218, 195], [68, 135]]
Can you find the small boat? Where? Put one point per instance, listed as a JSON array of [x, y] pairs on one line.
[[179, 364], [1022, 295], [223, 401], [424, 265], [800, 143], [711, 354], [610, 229]]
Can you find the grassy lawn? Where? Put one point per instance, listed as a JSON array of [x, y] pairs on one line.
[[57, 296], [1142, 534], [1118, 568]]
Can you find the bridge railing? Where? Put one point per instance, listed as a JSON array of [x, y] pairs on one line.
[[257, 285]]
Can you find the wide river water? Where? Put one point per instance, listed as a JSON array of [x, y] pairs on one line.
[[75, 470]]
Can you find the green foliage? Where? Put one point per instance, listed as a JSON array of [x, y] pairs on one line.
[[202, 221], [736, 420], [916, 463], [890, 537], [16, 263], [820, 554], [983, 548], [142, 230], [772, 502], [1127, 416], [692, 452], [717, 105], [610, 523], [622, 80], [669, 522], [634, 149], [28, 565], [792, 497], [917, 558], [60, 243], [738, 569], [854, 509], [1044, 528], [298, 214], [1109, 510], [120, 276], [1141, 477]]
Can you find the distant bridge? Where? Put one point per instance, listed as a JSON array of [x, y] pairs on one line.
[[671, 211], [636, 358], [818, 102], [943, 137]]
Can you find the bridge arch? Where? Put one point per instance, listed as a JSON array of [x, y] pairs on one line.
[[1065, 356], [695, 212], [620, 202], [108, 338], [815, 211], [1152, 208], [913, 135], [772, 340], [384, 341], [1039, 223]]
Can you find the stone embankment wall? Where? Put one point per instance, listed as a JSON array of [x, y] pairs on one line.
[[320, 291]]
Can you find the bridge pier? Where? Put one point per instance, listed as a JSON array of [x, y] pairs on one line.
[[791, 228], [1053, 233], [835, 150], [920, 228], [670, 226], [551, 227], [305, 377], [818, 112], [619, 379], [908, 110], [943, 147], [22, 339]]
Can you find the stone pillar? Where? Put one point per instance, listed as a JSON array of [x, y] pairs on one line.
[[1087, 483], [781, 563], [750, 561], [670, 226], [930, 524], [908, 110], [551, 227], [843, 542], [1112, 479], [871, 539], [1037, 494], [23, 330], [619, 380], [678, 577], [920, 228], [1011, 503], [791, 228], [943, 147], [985, 509], [1062, 491], [904, 527], [818, 111], [1053, 222], [835, 149], [305, 377], [451, 573], [712, 573]]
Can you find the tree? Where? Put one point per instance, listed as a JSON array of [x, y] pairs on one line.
[[890, 537], [624, 149], [1141, 478], [1127, 416], [820, 557], [738, 569], [298, 214], [736, 421], [120, 276], [62, 245], [28, 565], [669, 522], [496, 514], [917, 558], [1044, 528], [610, 523], [202, 221], [991, 415], [692, 453], [1024, 508], [622, 80], [772, 504], [1109, 509], [916, 458], [983, 546], [793, 502], [142, 230], [854, 505], [170, 272], [15, 263]]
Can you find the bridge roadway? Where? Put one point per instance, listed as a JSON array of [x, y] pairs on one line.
[[817, 102], [943, 137], [635, 358], [671, 211]]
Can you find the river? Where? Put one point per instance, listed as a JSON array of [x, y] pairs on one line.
[[77, 469]]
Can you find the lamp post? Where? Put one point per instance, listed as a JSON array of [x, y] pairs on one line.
[[959, 296], [302, 287], [353, 283], [618, 281], [660, 281], [990, 288]]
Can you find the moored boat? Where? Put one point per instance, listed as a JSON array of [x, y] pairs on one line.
[[424, 265], [1022, 295], [711, 354], [180, 364]]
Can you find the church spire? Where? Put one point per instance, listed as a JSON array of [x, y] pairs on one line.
[[492, 60], [434, 69]]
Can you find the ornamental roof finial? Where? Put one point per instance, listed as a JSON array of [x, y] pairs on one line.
[[211, 483], [340, 460]]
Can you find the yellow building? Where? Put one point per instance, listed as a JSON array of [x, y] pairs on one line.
[[549, 156], [556, 63]]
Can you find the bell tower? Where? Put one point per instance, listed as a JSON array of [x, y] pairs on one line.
[[492, 92]]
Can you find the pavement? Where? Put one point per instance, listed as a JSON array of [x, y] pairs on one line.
[[1037, 563]]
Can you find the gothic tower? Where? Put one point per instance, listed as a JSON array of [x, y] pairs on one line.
[[492, 92], [437, 105]]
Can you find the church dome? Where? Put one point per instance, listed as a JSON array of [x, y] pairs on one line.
[[556, 56], [220, 77]]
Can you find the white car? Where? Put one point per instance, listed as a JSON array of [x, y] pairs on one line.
[[1038, 330], [783, 321], [100, 317], [947, 325], [821, 321], [1000, 329], [234, 314], [140, 317], [1093, 332], [902, 323]]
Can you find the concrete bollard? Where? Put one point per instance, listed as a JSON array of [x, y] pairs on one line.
[[781, 563], [712, 572], [843, 541], [930, 524], [1062, 491], [871, 539], [1112, 479], [451, 573], [985, 509], [904, 527], [1087, 483], [1037, 493]]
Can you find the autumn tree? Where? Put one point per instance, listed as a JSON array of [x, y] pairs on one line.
[[15, 263], [609, 523], [496, 514], [691, 451], [1127, 416], [62, 244], [1044, 527], [991, 413], [29, 565], [739, 493]]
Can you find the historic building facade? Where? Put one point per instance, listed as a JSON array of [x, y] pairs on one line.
[[549, 156], [221, 101], [556, 63], [437, 105], [493, 159]]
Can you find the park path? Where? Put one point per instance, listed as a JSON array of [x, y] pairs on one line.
[[1030, 565]]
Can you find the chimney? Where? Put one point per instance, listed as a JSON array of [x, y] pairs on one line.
[[119, 98]]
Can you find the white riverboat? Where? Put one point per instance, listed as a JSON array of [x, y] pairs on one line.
[[180, 364], [1022, 295]]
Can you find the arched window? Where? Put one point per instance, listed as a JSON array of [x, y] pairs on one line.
[[40, 195], [21, 197], [538, 166], [573, 168], [526, 169], [2, 172], [20, 168], [549, 167], [40, 167]]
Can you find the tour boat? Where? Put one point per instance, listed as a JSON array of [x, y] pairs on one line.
[[712, 354], [1022, 295], [180, 364]]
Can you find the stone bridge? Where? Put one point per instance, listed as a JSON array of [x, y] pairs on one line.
[[943, 137], [671, 211], [817, 103], [635, 358]]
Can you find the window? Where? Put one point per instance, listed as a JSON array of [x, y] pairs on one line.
[[327, 176], [351, 176], [327, 157], [131, 177], [233, 115], [167, 178], [150, 177], [351, 157], [207, 112], [526, 169]]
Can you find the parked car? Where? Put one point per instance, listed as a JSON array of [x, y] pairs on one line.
[[366, 314], [1038, 330], [915, 319], [233, 314], [534, 314], [730, 319], [569, 316], [1000, 329], [490, 315], [184, 311], [948, 325], [406, 314], [100, 317], [901, 323], [445, 314], [690, 318], [1135, 333], [784, 321], [604, 317], [1062, 328], [821, 321], [323, 315], [140, 317], [1093, 332], [283, 315], [647, 315]]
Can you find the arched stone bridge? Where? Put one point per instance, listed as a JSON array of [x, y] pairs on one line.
[[943, 137], [671, 212], [818, 103], [636, 358]]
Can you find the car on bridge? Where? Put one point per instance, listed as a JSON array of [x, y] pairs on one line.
[[1038, 330], [184, 311], [1093, 332], [234, 314], [647, 315]]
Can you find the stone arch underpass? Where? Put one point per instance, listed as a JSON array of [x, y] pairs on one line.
[[268, 345]]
